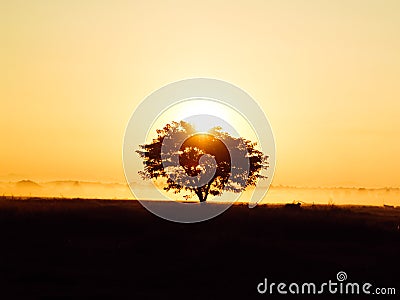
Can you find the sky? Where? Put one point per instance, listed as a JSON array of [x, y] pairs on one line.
[[326, 73]]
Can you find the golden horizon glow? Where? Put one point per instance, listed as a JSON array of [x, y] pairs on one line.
[[325, 72]]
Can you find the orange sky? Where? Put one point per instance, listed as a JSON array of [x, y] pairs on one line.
[[327, 74]]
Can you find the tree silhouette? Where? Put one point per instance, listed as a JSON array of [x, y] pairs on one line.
[[202, 163]]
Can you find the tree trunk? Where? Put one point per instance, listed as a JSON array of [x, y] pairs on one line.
[[205, 196], [207, 191], [200, 195]]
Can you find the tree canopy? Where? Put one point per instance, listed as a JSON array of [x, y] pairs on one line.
[[201, 163]]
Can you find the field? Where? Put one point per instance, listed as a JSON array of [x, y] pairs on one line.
[[54, 247]]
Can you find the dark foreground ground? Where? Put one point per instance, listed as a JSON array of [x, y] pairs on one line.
[[91, 248]]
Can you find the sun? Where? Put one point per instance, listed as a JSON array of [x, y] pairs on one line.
[[204, 115]]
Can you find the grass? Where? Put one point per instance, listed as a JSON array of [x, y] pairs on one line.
[[111, 248]]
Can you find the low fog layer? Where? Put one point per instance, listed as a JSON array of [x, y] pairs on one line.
[[277, 194], [66, 189]]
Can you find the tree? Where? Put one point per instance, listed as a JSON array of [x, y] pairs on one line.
[[202, 163]]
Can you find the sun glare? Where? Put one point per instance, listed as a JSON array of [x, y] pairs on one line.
[[201, 113]]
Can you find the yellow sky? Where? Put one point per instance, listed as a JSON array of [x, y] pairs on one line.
[[327, 74]]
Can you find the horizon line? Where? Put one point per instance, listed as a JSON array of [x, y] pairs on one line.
[[147, 182]]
